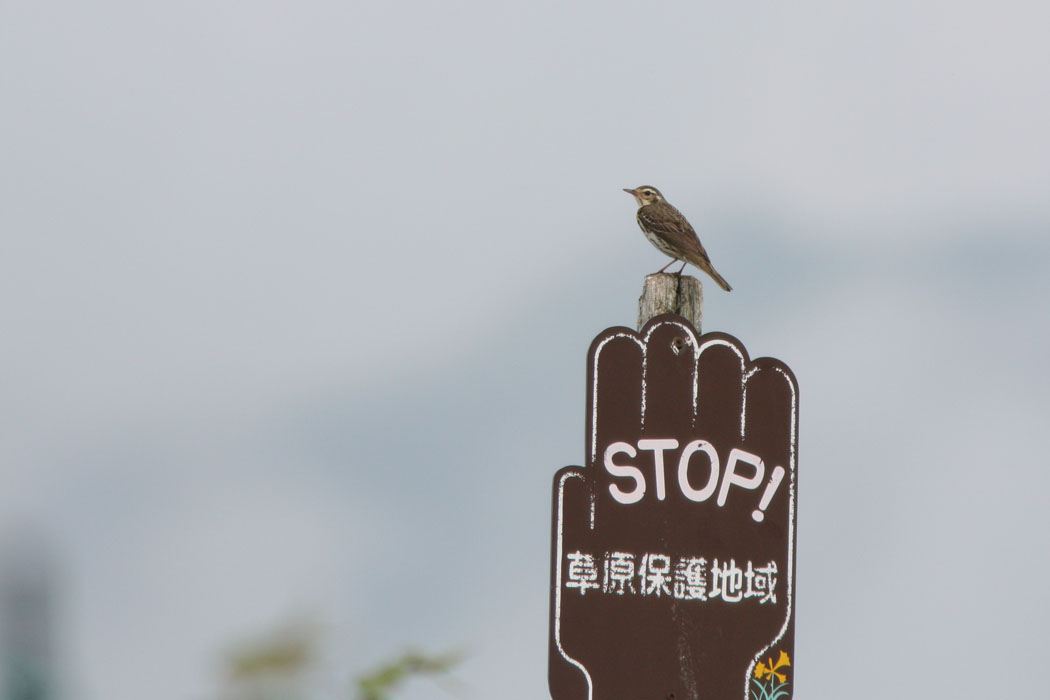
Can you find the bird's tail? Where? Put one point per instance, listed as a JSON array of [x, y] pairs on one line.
[[709, 269]]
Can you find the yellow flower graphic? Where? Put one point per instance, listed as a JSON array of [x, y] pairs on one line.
[[770, 669]]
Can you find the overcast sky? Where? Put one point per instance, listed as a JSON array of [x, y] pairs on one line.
[[296, 300]]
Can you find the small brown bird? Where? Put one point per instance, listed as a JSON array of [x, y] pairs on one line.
[[667, 229]]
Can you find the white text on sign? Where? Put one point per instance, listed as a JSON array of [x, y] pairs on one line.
[[742, 469], [683, 578]]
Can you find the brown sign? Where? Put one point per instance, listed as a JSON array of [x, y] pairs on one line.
[[673, 556]]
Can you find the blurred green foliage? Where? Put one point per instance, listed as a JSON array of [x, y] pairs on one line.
[[280, 665], [381, 683], [285, 653]]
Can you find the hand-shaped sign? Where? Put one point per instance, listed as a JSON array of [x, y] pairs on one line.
[[673, 556]]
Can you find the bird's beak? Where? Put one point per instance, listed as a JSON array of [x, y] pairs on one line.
[[630, 192]]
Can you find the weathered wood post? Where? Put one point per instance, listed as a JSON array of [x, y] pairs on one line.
[[664, 293]]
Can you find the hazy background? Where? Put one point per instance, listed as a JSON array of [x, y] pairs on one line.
[[296, 298]]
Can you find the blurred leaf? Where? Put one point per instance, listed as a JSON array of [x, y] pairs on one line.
[[380, 683], [285, 653]]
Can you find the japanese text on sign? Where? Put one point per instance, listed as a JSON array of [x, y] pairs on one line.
[[683, 578]]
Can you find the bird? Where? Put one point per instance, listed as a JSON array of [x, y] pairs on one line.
[[671, 234]]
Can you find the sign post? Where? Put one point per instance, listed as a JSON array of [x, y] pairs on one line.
[[673, 549]]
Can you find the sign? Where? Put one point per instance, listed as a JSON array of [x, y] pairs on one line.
[[673, 555]]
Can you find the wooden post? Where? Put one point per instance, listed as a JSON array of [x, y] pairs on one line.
[[665, 293]]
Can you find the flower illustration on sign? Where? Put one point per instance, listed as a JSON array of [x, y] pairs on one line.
[[775, 685]]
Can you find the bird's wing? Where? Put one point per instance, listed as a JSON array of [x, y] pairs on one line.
[[669, 221]]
